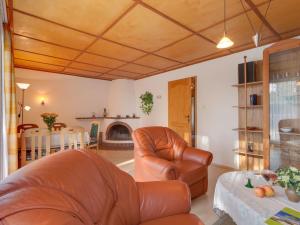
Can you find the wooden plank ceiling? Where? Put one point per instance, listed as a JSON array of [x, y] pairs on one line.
[[134, 39]]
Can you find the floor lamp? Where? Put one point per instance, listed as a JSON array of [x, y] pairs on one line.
[[23, 87]]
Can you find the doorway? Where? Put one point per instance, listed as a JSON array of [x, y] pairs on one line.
[[182, 108]]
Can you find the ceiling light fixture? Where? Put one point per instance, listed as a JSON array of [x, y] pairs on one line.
[[225, 42], [257, 37]]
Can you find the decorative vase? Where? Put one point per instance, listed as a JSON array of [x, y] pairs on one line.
[[50, 126], [292, 195]]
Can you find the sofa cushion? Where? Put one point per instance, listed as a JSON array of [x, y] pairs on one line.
[[162, 142], [107, 194], [190, 172], [181, 219]]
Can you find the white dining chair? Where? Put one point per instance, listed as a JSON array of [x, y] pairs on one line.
[[70, 136], [35, 137]]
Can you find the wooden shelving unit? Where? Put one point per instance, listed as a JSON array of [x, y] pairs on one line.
[[249, 152]]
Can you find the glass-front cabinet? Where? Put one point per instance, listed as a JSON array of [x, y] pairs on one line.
[[281, 137]]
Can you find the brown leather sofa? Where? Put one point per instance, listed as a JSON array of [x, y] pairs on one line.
[[161, 154], [79, 187]]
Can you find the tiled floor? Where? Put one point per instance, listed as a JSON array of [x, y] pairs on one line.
[[201, 206], [116, 156]]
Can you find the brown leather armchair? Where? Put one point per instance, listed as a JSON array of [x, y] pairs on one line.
[[161, 154], [80, 188]]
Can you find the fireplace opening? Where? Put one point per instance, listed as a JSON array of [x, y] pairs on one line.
[[118, 131]]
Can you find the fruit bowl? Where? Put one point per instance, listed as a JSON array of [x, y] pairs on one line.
[[286, 129]]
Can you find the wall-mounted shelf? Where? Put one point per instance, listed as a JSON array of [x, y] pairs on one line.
[[289, 133], [249, 107], [255, 153], [107, 117], [248, 130], [248, 84]]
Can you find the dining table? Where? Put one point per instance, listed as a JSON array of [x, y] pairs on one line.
[[240, 203]]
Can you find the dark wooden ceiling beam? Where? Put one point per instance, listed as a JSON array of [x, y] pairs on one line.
[[262, 18]]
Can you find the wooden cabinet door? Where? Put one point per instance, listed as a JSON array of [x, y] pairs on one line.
[[180, 108], [281, 104]]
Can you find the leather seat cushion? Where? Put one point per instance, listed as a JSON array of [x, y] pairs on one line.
[[181, 219], [190, 171]]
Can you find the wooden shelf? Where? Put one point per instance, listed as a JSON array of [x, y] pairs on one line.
[[290, 133], [248, 84], [249, 107], [107, 117], [255, 153], [248, 130]]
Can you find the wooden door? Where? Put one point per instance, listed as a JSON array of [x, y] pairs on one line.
[[180, 105]]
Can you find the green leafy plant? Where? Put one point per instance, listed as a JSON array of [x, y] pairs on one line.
[[146, 102], [49, 119], [289, 177]]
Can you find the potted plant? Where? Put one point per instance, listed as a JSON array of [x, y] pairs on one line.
[[289, 178], [146, 102], [49, 119]]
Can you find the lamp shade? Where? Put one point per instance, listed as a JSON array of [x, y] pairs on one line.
[[23, 86], [27, 107], [225, 42]]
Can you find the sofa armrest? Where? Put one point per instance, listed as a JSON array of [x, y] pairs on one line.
[[163, 198], [198, 155], [160, 168]]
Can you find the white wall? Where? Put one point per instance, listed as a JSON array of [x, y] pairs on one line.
[[68, 96], [121, 98], [215, 98]]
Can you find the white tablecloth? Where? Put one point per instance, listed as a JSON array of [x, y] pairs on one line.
[[232, 197], [55, 140]]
